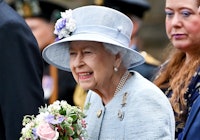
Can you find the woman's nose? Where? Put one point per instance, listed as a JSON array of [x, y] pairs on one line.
[[176, 20], [78, 61]]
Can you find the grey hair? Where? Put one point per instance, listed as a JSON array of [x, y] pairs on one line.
[[115, 50]]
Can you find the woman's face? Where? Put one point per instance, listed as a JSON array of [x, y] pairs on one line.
[[42, 30], [183, 24], [91, 65]]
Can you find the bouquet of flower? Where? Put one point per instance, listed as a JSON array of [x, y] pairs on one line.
[[58, 121]]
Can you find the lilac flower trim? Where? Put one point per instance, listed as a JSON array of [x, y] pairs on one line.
[[65, 25]]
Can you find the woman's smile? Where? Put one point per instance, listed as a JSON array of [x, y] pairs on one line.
[[82, 76]]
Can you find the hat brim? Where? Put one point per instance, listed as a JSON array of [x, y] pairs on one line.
[[57, 53]]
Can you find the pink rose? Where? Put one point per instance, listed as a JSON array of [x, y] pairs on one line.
[[46, 132]]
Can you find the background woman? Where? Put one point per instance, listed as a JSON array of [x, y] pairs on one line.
[[180, 76]]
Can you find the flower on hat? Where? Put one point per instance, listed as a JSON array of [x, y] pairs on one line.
[[58, 121], [65, 25]]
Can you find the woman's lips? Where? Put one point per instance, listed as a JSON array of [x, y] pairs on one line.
[[84, 75], [178, 36]]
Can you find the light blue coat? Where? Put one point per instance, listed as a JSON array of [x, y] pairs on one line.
[[140, 111]]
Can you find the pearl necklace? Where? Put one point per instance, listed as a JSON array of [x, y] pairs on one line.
[[121, 82]]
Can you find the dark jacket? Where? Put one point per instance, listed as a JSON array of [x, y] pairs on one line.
[[192, 126], [21, 65]]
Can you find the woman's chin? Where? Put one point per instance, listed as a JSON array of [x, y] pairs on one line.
[[85, 86]]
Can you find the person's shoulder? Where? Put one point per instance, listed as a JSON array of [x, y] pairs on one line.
[[11, 21], [149, 59], [143, 84], [14, 22], [141, 88], [7, 13]]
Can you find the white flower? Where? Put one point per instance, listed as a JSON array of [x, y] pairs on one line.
[[63, 104], [67, 14], [40, 117], [55, 107]]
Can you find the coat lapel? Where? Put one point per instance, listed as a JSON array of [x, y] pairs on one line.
[[193, 113]]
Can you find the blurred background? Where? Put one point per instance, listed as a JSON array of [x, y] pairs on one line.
[[152, 33]]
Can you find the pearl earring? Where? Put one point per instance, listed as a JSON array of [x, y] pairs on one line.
[[115, 69]]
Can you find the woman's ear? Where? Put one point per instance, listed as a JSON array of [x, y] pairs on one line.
[[118, 60]]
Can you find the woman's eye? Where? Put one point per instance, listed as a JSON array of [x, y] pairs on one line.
[[87, 52], [168, 13], [185, 13], [72, 53]]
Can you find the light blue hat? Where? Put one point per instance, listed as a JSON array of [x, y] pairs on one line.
[[91, 23]]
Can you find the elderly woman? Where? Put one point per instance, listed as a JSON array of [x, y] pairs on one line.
[[121, 104]]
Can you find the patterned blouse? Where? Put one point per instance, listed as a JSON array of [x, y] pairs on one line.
[[191, 95]]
